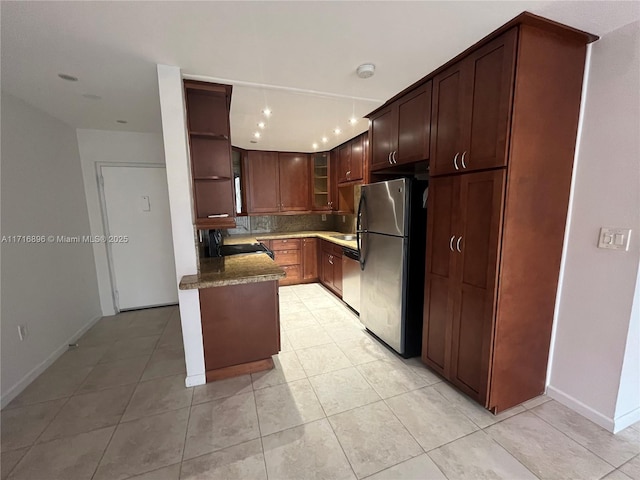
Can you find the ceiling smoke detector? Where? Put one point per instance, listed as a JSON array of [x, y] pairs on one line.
[[366, 70]]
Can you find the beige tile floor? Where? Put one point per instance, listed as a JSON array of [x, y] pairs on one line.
[[338, 405]]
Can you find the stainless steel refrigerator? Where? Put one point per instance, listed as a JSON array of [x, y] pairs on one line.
[[391, 243]]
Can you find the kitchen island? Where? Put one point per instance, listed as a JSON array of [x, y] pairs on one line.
[[239, 309]]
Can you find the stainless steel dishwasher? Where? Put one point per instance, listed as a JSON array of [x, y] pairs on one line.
[[351, 278]]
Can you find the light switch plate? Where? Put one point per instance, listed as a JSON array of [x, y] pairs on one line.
[[614, 238]]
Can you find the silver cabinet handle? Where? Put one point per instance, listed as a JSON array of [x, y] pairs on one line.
[[455, 161], [462, 159], [389, 157], [451, 242], [348, 174], [393, 156], [458, 244]]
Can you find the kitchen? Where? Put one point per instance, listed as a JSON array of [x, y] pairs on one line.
[[431, 129], [274, 336]]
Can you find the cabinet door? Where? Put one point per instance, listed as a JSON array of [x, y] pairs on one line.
[[382, 130], [492, 69], [414, 125], [440, 273], [344, 161], [476, 248], [320, 181], [309, 258], [326, 269], [356, 165], [333, 180], [263, 195], [294, 173], [337, 273], [447, 115]]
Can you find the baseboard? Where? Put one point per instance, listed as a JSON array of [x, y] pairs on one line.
[[14, 391], [195, 380], [579, 407], [626, 420]]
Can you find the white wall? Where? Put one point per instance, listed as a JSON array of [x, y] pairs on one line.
[[597, 291], [174, 129], [50, 287], [110, 146]]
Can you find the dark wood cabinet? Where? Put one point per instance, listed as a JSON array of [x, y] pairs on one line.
[[321, 182], [294, 175], [331, 267], [278, 182], [210, 152], [351, 157], [238, 334], [461, 276], [400, 133], [506, 128], [263, 194], [358, 157], [382, 128], [333, 172], [309, 259], [472, 109]]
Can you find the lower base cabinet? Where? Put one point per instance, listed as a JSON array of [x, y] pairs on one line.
[[298, 257], [330, 269], [240, 324]]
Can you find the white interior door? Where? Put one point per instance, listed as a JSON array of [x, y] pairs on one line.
[[136, 204]]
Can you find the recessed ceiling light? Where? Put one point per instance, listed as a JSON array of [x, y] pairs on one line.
[[325, 139], [66, 76], [315, 146], [353, 120], [261, 125], [267, 112], [122, 121], [91, 96], [337, 131], [257, 134]]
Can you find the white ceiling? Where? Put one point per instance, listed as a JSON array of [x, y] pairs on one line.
[[298, 58]]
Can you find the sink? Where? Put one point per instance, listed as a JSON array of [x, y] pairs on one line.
[[344, 237]]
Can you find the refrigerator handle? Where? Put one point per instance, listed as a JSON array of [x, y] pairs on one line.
[[360, 230]]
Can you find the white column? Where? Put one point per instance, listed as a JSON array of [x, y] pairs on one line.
[[174, 131]]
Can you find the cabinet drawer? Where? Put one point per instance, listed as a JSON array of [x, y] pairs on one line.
[[286, 244], [293, 274], [287, 257]]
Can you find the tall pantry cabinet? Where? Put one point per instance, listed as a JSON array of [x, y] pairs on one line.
[[503, 132]]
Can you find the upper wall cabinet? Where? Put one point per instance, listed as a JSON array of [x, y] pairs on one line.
[[294, 182], [321, 183], [400, 132], [210, 150], [278, 182], [472, 109], [351, 160]]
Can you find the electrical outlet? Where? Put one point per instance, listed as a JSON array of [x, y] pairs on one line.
[[22, 332], [324, 217], [344, 219]]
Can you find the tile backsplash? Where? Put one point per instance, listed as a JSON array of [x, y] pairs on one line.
[[285, 223]]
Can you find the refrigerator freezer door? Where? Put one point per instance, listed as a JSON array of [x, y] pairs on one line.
[[383, 281], [385, 207]]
